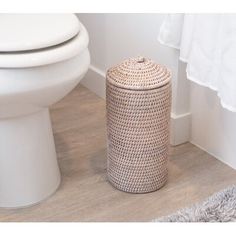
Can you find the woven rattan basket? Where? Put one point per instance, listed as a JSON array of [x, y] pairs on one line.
[[138, 93]]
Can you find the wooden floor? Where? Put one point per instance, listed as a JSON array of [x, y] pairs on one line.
[[85, 195]]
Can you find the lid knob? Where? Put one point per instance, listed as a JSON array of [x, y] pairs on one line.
[[140, 59]]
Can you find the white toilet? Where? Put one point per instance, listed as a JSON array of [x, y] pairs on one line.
[[42, 58]]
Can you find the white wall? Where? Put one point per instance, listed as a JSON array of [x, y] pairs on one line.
[[115, 37]]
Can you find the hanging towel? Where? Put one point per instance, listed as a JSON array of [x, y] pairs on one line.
[[207, 43]]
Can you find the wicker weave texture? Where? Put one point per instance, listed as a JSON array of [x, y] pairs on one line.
[[138, 128]]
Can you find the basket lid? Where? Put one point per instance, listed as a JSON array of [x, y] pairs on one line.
[[138, 73]]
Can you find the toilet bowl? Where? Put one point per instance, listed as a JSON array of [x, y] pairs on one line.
[[42, 58]]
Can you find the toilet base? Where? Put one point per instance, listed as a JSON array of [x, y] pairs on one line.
[[29, 171]]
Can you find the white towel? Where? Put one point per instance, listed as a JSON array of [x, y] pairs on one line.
[[207, 43]]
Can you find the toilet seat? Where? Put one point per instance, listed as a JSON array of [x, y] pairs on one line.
[[24, 32], [54, 46]]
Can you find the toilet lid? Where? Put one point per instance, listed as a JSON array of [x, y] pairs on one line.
[[23, 32]]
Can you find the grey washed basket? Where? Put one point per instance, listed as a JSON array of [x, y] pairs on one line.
[[138, 93]]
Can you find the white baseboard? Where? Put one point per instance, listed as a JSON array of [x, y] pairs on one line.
[[95, 80], [180, 126]]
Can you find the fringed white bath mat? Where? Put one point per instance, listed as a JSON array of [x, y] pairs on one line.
[[220, 207]]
